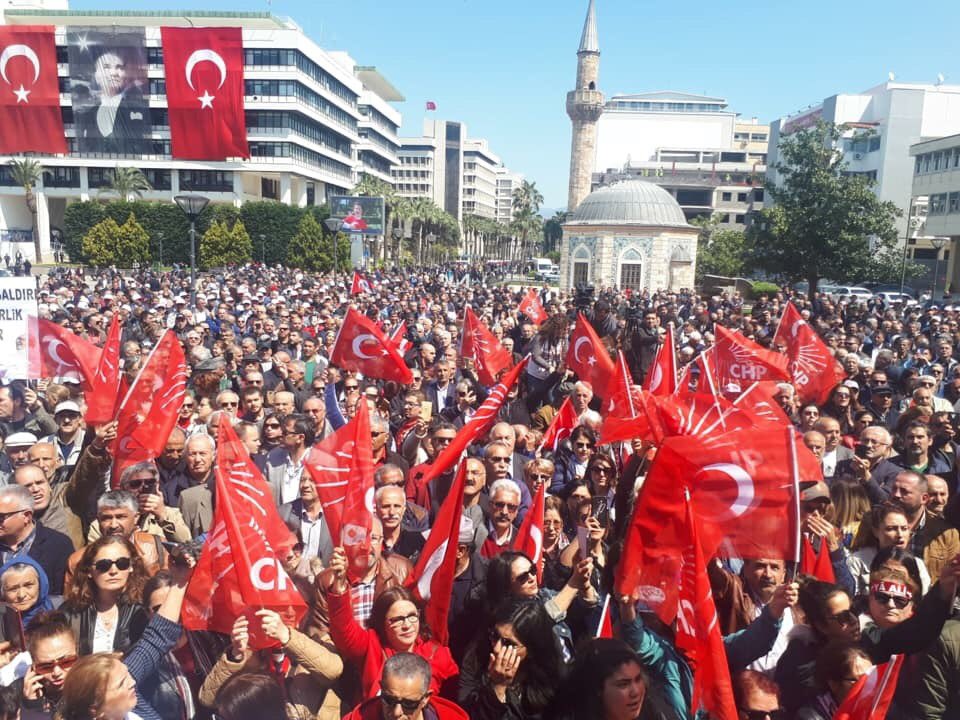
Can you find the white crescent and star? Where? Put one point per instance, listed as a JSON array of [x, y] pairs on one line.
[[745, 488], [20, 50], [795, 328], [52, 346], [592, 360], [360, 340], [656, 378], [197, 57]]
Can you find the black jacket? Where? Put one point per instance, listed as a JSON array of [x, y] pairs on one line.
[[51, 549], [131, 621]]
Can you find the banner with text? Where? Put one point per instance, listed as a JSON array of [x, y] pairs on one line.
[[18, 300]]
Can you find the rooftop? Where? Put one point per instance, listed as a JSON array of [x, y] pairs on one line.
[[632, 202]]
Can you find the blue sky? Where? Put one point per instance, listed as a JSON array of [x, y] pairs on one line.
[[504, 66]]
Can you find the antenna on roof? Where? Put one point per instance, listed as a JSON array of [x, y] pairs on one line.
[[940, 78], [890, 76]]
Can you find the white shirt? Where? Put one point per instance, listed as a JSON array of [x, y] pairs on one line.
[[829, 463], [290, 486]]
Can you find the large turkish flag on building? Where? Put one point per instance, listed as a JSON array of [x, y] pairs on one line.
[[30, 119], [204, 72]]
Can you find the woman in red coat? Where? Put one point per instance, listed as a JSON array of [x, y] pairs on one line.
[[395, 626]]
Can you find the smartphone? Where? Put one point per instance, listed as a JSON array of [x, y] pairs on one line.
[[426, 411], [860, 451], [601, 510]]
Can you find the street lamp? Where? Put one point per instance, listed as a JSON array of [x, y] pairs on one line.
[[263, 249], [160, 239], [939, 243], [192, 206], [430, 238], [397, 234], [333, 225]]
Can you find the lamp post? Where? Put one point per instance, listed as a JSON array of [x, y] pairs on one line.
[[333, 225], [938, 243], [430, 238], [263, 249], [192, 206], [397, 234], [160, 240]]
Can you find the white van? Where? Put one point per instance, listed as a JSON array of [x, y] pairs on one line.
[[543, 267]]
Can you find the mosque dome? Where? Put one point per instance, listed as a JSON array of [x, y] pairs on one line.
[[632, 202]]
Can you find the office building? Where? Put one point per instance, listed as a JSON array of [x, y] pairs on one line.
[[936, 205]]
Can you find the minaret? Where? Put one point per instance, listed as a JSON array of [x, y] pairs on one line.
[[584, 105]]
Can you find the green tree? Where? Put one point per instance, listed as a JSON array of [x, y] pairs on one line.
[[309, 249], [720, 251], [78, 219], [824, 221], [27, 173], [108, 243], [527, 223], [128, 183], [242, 245], [271, 226], [553, 231], [220, 246]]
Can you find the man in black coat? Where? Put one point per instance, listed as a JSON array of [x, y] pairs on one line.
[[20, 535]]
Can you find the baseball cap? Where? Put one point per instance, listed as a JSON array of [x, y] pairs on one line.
[[816, 491], [20, 439], [66, 406]]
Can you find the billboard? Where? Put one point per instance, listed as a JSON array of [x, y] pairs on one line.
[[18, 300], [108, 87], [358, 214]]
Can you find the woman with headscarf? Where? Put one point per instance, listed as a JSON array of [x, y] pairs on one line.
[[25, 592]]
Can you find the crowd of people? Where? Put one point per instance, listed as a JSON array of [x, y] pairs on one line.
[[94, 573]]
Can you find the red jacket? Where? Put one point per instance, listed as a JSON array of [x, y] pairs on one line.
[[442, 710], [364, 648]]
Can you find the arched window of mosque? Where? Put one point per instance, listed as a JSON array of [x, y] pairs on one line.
[[632, 255], [581, 253], [593, 85]]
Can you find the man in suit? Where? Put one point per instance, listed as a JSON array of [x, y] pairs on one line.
[[441, 392], [285, 463], [304, 517], [199, 453], [833, 452], [21, 535]]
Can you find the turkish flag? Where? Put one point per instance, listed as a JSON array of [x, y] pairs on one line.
[[105, 383], [203, 67], [477, 426], [481, 345], [812, 365], [816, 564], [30, 119], [622, 398], [662, 378], [362, 346], [698, 632], [871, 697], [435, 570], [55, 352], [357, 517], [360, 284], [240, 569], [149, 410], [605, 626], [743, 486], [588, 358], [532, 307], [560, 427], [529, 538], [398, 337], [737, 361]]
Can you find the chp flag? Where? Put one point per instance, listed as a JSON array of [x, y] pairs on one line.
[[240, 569], [812, 365], [204, 75], [30, 118], [532, 307], [480, 345], [18, 304]]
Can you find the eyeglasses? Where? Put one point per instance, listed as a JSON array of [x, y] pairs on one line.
[[819, 506], [501, 505], [64, 663], [351, 387], [104, 564], [135, 484], [401, 620], [272, 426], [409, 706], [496, 637], [602, 469], [777, 714], [583, 446], [186, 406], [5, 516], [229, 403], [541, 477], [494, 459], [844, 618], [885, 599], [842, 395], [526, 576]]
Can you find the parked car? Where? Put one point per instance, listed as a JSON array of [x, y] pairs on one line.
[[856, 292], [895, 297]]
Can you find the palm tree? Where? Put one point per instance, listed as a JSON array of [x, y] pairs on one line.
[[527, 198], [128, 183], [553, 230], [403, 215], [27, 173], [426, 213]]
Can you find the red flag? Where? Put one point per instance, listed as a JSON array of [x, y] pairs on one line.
[[360, 284], [872, 695], [529, 539], [482, 346], [361, 346], [149, 411], [54, 351], [742, 485], [329, 463], [434, 574], [241, 568], [481, 421], [105, 383], [759, 403], [621, 401], [357, 516], [532, 307], [431, 105], [816, 564], [662, 377], [561, 426], [203, 67], [398, 338], [698, 632], [812, 364], [690, 414], [30, 119], [737, 362], [588, 358], [605, 626]]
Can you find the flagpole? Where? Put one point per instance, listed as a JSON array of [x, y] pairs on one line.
[[713, 388], [673, 353], [136, 380], [884, 680], [791, 441], [603, 614]]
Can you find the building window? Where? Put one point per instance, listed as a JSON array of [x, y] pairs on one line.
[[953, 204], [726, 197], [938, 204], [61, 177], [741, 197], [207, 180], [98, 177], [159, 179], [631, 276], [741, 219], [580, 273]]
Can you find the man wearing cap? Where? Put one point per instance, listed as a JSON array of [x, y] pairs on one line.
[[881, 405], [68, 439], [22, 411], [16, 449]]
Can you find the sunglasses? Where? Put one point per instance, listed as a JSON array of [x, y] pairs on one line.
[[7, 515], [137, 483], [602, 469], [351, 387], [496, 637], [64, 663], [541, 478], [273, 426], [845, 618], [583, 446], [885, 599], [764, 714], [511, 507], [526, 576], [409, 706], [104, 564]]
